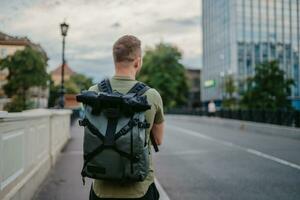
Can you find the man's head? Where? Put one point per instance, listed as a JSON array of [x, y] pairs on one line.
[[127, 53]]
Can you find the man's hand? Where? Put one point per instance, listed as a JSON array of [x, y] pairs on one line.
[[158, 132]]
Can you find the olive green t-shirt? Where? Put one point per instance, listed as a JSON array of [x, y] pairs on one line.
[[106, 189]]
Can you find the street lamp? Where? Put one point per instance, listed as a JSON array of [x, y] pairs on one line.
[[64, 29]]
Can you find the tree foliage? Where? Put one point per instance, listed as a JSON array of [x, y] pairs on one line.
[[78, 82], [74, 85], [268, 89], [27, 68], [229, 88], [163, 71]]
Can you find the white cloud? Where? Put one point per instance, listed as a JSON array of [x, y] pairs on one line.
[[95, 25]]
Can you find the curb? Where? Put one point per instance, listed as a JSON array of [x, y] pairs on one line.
[[162, 193]]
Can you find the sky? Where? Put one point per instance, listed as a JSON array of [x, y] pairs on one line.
[[96, 24]]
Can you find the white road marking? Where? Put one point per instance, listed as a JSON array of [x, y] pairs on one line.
[[248, 150], [162, 193], [181, 153]]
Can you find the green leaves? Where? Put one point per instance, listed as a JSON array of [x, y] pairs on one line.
[[268, 89], [27, 68], [163, 71], [74, 85], [78, 82], [229, 88]]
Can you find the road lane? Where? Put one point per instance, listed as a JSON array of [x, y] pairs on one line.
[[191, 167], [287, 148], [226, 143]]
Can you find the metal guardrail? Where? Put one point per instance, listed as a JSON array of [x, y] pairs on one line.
[[278, 117]]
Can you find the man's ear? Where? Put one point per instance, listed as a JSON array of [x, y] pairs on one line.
[[137, 63]]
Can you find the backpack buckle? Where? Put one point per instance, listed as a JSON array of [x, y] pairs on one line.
[[82, 122], [83, 180], [143, 124], [133, 122]]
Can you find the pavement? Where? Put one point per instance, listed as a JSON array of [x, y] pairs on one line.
[[64, 180], [199, 161]]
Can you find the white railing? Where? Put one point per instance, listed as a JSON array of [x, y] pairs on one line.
[[30, 142]]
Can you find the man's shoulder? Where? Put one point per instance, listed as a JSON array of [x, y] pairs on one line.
[[153, 96], [153, 92]]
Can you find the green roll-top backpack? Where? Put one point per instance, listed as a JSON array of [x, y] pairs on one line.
[[115, 141]]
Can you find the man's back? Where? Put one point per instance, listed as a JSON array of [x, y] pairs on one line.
[[106, 189]]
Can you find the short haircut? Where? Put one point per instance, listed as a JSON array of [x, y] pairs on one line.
[[126, 48]]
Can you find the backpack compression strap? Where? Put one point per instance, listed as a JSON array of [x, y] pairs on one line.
[[104, 86], [139, 89]]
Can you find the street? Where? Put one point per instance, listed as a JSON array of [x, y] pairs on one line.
[[199, 161]]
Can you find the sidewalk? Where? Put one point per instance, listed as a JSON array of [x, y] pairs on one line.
[[64, 181]]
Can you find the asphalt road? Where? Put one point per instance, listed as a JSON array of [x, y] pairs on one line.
[[199, 161]]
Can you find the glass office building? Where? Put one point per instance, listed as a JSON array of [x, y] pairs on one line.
[[239, 34]]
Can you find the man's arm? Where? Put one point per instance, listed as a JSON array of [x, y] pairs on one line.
[[158, 132], [158, 125]]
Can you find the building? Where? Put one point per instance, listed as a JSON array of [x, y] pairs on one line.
[[8, 46], [239, 34], [70, 99], [193, 77], [56, 74]]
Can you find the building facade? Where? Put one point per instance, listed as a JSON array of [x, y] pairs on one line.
[[9, 45], [239, 34], [193, 77]]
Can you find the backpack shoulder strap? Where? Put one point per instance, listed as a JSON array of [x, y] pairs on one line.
[[139, 89], [104, 86]]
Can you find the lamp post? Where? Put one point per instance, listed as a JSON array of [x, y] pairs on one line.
[[64, 29]]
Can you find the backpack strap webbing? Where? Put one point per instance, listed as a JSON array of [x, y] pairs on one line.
[[92, 128], [139, 89], [104, 86]]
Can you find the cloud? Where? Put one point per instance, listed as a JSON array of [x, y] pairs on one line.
[[95, 25], [116, 25], [191, 21]]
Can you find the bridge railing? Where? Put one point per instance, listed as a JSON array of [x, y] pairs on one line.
[[30, 142], [278, 117]]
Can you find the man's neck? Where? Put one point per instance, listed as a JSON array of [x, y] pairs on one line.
[[125, 72], [125, 75]]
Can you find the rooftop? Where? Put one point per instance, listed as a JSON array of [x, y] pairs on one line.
[[67, 71], [6, 39]]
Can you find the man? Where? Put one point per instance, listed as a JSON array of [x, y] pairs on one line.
[[211, 108], [127, 57]]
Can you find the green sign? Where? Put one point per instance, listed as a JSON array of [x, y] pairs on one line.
[[209, 83]]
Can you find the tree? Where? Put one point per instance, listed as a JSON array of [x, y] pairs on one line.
[[229, 89], [74, 85], [78, 82], [163, 71], [54, 93], [27, 68], [268, 89]]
